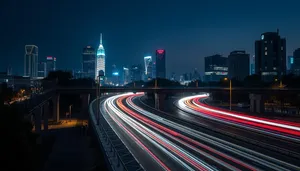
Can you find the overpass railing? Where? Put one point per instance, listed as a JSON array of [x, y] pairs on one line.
[[118, 156]]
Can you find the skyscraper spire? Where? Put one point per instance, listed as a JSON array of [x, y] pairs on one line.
[[100, 38]]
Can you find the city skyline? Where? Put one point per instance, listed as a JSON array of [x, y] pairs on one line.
[[198, 37]]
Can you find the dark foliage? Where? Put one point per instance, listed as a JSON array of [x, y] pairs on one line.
[[61, 77], [18, 143], [64, 78], [163, 83]]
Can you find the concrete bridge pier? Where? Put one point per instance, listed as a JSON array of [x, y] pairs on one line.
[[55, 100], [37, 119], [38, 123], [257, 104], [159, 100], [85, 101]]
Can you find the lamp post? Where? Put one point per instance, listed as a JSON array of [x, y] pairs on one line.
[[230, 92], [100, 74], [97, 92]]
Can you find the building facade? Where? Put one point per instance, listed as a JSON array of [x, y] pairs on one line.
[[42, 70], [126, 75], [270, 56], [296, 62], [238, 65], [115, 76], [31, 61], [50, 64], [136, 72], [216, 68], [9, 70], [289, 64], [100, 60], [153, 69], [148, 67], [160, 63], [252, 65], [88, 62]]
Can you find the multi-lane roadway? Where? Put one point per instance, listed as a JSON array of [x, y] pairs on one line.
[[195, 138]]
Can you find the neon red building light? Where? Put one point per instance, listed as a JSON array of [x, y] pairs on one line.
[[160, 51], [49, 57]]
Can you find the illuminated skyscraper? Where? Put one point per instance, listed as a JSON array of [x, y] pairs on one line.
[[136, 72], [88, 62], [115, 78], [160, 63], [42, 68], [289, 64], [100, 60], [126, 75], [148, 67], [252, 65], [215, 67], [295, 62], [50, 64], [31, 61], [270, 56]]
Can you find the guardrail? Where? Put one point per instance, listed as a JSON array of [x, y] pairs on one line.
[[118, 156]]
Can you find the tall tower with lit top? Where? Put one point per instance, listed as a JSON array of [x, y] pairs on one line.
[[160, 63], [100, 59]]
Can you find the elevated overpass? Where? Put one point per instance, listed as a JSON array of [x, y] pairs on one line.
[[39, 109], [80, 90]]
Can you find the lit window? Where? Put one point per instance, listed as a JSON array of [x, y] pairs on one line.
[[266, 41], [266, 48], [269, 73], [266, 53], [274, 68], [281, 47]]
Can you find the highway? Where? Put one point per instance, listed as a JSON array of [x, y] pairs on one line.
[[164, 143]]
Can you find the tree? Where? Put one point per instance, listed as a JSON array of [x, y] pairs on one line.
[[62, 77], [17, 141], [161, 82]]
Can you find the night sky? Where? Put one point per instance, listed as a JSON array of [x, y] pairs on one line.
[[188, 30]]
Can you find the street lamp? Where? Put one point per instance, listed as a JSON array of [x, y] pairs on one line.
[[97, 94], [100, 74], [230, 91]]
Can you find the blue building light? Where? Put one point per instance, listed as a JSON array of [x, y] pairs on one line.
[[115, 73]]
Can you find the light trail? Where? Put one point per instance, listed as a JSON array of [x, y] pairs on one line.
[[253, 156], [189, 148], [193, 103], [156, 140]]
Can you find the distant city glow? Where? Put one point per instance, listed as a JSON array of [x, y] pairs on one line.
[[160, 51]]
